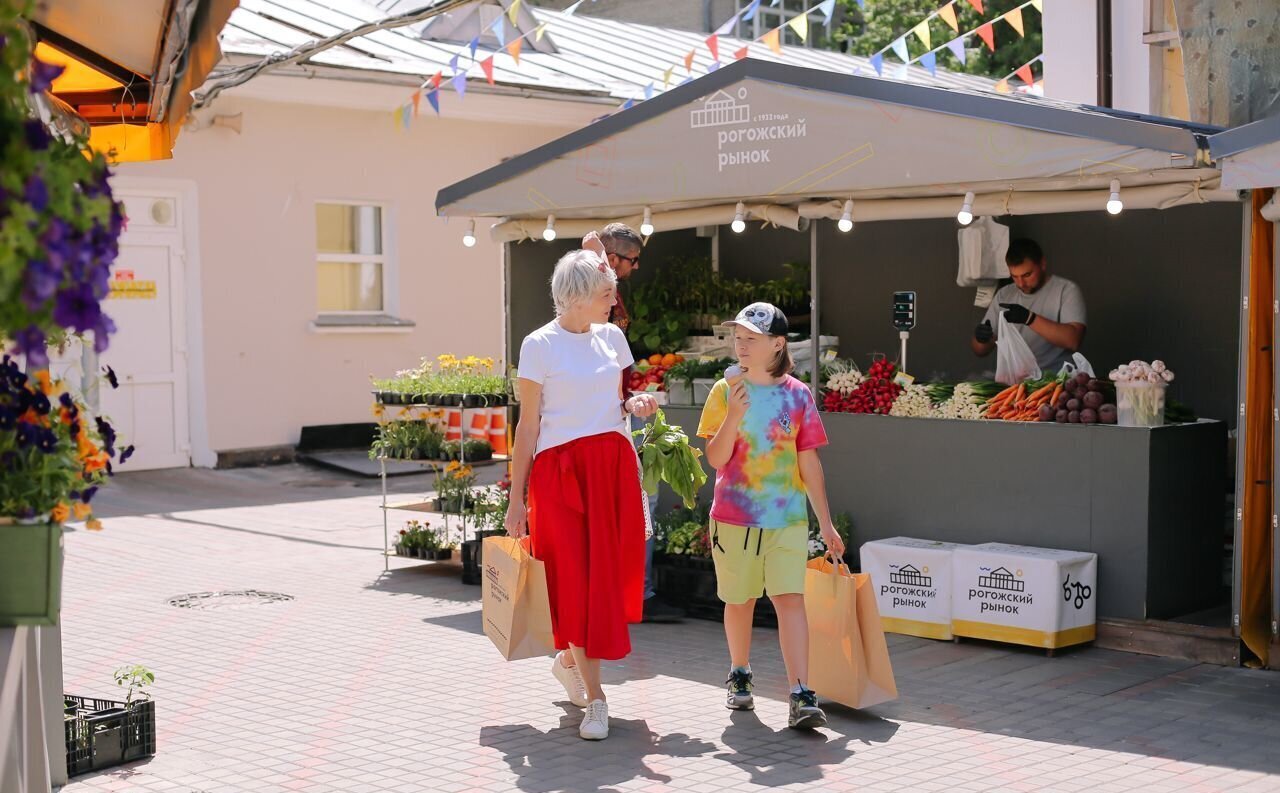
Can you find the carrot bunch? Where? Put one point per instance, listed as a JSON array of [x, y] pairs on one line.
[[1016, 404]]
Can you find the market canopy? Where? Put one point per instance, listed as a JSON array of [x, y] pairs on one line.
[[130, 67], [794, 143], [1249, 154]]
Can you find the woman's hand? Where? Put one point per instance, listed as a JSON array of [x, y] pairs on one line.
[[738, 400], [592, 242], [831, 538], [642, 405], [517, 522]]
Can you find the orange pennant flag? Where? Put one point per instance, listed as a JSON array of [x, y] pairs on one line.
[[1024, 72], [740, 54], [417, 97], [688, 62], [713, 44], [1014, 18], [514, 49], [977, 6], [948, 14], [774, 39], [487, 66], [988, 34], [1002, 87]]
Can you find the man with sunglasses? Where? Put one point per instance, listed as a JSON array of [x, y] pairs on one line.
[[622, 247]]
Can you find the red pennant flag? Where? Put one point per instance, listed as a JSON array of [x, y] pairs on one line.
[[1024, 72], [435, 80], [713, 44], [988, 34], [487, 66], [688, 62], [740, 54], [977, 6]]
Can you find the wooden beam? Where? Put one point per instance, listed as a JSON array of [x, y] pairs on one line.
[[86, 55]]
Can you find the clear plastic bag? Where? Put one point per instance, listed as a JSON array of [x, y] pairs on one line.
[[1014, 360], [1078, 363]]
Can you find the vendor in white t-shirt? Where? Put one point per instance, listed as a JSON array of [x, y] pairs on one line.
[[1047, 310]]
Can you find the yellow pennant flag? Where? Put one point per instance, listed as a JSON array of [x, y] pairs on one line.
[[800, 25], [1014, 18], [922, 31], [666, 77], [1038, 5], [948, 14], [537, 34], [774, 40], [514, 49], [514, 11], [1002, 87]]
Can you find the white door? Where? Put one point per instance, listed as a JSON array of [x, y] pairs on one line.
[[149, 349]]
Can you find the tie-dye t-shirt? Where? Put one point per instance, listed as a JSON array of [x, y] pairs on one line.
[[760, 486]]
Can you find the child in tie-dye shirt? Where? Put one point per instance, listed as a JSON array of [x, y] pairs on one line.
[[763, 433]]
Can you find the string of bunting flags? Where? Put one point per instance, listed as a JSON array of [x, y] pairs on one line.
[[956, 46], [1023, 73]]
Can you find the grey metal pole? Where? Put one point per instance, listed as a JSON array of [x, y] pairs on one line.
[[1242, 388], [815, 369]]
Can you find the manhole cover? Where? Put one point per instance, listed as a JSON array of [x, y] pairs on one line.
[[228, 600]]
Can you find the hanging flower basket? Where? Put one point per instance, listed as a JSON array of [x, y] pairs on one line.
[[30, 573]]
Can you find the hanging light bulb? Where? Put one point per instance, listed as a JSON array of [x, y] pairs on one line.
[[1114, 204], [965, 215], [469, 239], [739, 224], [845, 223], [646, 228], [549, 233]]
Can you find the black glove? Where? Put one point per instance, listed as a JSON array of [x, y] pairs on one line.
[[984, 333], [1016, 314]]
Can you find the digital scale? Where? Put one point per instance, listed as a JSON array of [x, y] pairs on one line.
[[904, 319]]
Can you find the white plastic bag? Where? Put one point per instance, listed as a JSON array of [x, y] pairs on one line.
[[1078, 363], [1014, 359]]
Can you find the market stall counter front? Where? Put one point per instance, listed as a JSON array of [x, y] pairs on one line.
[[1148, 501]]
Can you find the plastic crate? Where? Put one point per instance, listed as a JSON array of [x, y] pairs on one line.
[[101, 733]]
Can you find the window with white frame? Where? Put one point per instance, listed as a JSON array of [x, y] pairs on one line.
[[351, 259], [770, 15]]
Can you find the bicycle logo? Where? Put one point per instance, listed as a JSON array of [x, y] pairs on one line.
[[1082, 592]]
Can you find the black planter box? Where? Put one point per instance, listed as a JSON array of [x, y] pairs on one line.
[[101, 733], [690, 583]]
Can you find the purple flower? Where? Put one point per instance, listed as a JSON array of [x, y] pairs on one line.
[[108, 434], [28, 435], [46, 441], [125, 454], [111, 376], [75, 430], [37, 136], [89, 493], [8, 418], [41, 282], [40, 404], [58, 244], [37, 194], [102, 333], [66, 401], [77, 307], [31, 343], [43, 74]]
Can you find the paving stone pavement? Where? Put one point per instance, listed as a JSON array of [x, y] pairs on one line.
[[373, 681]]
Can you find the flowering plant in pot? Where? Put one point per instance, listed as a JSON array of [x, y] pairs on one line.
[[453, 488]]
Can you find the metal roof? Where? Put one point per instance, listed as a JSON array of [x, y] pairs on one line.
[[1245, 137], [594, 57], [1177, 138]]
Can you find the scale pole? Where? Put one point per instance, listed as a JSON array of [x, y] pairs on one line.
[[902, 359]]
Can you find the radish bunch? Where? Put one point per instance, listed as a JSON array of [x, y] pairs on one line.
[[876, 394]]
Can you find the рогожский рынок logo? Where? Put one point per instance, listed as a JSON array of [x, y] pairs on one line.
[[909, 575], [1000, 578]]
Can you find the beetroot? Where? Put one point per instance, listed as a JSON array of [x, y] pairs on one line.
[[1107, 414], [1082, 378], [1047, 413], [1061, 417], [1073, 404], [1073, 417], [1093, 399], [1063, 398], [1094, 385], [1088, 416]]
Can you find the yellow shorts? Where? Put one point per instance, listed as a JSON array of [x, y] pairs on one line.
[[751, 561]]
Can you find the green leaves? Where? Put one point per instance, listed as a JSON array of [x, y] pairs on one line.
[[666, 456]]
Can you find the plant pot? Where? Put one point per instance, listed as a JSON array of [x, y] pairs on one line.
[[423, 553], [101, 733], [472, 401], [498, 401], [419, 399], [444, 554], [432, 399], [30, 573]]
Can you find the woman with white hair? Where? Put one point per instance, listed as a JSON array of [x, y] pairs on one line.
[[585, 513]]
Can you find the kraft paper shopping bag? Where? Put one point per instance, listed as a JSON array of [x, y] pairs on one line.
[[514, 604], [848, 654]]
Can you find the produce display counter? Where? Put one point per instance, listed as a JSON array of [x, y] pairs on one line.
[[1148, 501]]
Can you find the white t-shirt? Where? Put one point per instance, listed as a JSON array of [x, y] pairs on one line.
[[580, 375]]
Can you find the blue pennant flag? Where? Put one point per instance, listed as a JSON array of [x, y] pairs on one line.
[[627, 105], [930, 62], [500, 30], [877, 63], [900, 49], [453, 63], [828, 9], [475, 44], [957, 49], [714, 65], [434, 99], [688, 79], [751, 10], [460, 84], [648, 91]]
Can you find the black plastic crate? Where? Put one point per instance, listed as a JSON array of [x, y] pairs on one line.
[[101, 733]]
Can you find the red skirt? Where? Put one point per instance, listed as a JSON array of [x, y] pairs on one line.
[[586, 521]]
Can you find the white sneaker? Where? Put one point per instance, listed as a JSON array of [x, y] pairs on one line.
[[571, 679], [595, 724]]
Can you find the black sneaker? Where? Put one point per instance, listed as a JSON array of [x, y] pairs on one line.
[[739, 695], [657, 611], [805, 713]]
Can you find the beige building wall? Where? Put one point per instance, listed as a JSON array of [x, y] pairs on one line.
[[266, 372]]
